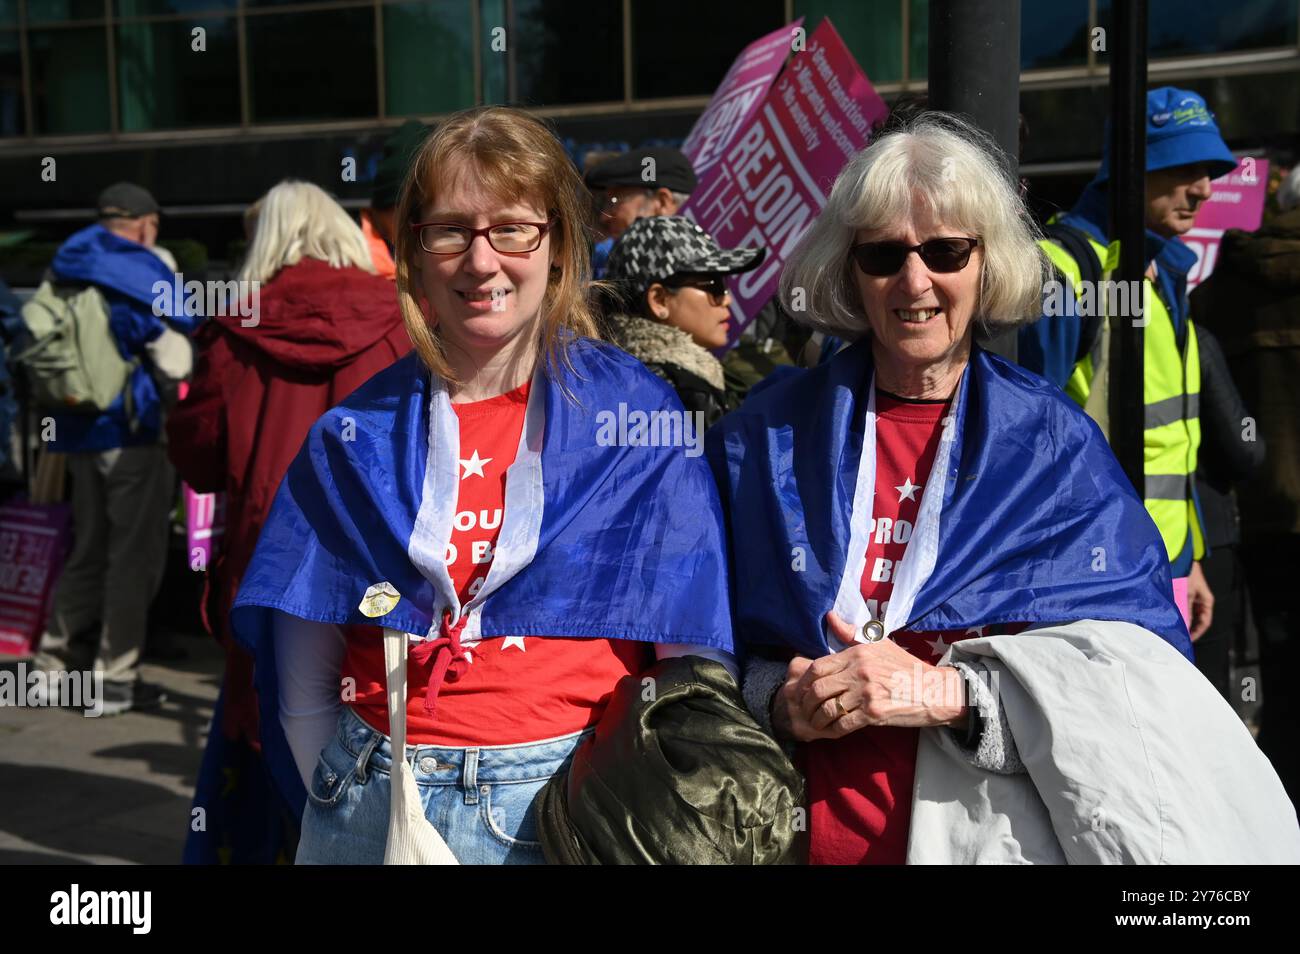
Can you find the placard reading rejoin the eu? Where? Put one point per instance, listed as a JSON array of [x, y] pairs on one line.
[[738, 97], [773, 178]]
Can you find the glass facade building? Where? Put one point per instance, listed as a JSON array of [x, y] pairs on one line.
[[118, 67], [262, 85]]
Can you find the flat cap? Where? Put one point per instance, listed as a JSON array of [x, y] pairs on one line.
[[125, 200], [669, 170]]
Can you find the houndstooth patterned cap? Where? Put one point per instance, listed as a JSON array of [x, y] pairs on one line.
[[658, 247]]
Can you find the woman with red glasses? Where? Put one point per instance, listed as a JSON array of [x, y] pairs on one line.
[[948, 595], [671, 306], [458, 568]]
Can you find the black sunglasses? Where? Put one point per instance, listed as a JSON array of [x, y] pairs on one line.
[[939, 255], [715, 286]]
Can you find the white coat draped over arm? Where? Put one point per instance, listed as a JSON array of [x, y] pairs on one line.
[[1132, 757]]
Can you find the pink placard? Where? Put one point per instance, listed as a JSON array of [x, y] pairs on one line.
[[33, 543], [738, 97], [773, 178], [1236, 203]]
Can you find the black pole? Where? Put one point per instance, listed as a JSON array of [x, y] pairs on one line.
[[1128, 146], [975, 70], [25, 459]]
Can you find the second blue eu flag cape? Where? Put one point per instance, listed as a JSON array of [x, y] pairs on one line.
[[1033, 521]]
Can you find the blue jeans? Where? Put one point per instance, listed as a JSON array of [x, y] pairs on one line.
[[480, 799]]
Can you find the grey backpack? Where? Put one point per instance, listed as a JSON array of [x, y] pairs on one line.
[[73, 363]]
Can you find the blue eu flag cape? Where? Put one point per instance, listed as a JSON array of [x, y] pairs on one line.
[[1036, 521], [607, 532]]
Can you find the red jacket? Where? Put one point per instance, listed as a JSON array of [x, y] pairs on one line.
[[321, 333]]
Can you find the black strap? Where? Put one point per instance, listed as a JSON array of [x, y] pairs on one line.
[[1078, 247]]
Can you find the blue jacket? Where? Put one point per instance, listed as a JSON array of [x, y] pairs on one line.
[[125, 272]]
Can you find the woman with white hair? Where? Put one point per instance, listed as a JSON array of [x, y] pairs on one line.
[[948, 594], [315, 323]]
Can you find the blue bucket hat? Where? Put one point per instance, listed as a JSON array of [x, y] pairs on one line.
[[1180, 131]]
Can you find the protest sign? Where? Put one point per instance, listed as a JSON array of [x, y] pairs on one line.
[[773, 177], [1237, 203], [205, 521], [33, 541], [738, 97]]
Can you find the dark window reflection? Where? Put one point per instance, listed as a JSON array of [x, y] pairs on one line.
[[69, 80], [871, 29], [918, 39], [1054, 34], [492, 16], [56, 11], [145, 8], [164, 83], [11, 86], [306, 66], [1178, 28], [281, 3], [684, 47], [568, 52], [428, 63]]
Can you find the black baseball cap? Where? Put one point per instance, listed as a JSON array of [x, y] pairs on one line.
[[126, 200], [672, 171]]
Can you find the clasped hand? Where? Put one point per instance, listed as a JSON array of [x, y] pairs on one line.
[[868, 684]]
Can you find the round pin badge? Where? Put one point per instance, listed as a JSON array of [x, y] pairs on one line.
[[379, 600], [873, 630]]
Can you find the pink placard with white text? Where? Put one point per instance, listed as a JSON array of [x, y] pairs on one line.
[[34, 539], [738, 97], [773, 178], [1236, 203], [205, 522]]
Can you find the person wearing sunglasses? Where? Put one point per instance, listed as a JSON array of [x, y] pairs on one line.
[[672, 306], [938, 566]]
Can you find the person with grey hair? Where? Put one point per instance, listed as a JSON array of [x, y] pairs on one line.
[[939, 569]]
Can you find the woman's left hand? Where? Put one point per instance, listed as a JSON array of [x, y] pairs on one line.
[[877, 684]]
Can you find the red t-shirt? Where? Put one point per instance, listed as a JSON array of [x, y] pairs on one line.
[[860, 786], [514, 689]]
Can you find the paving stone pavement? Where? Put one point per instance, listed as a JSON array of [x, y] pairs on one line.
[[113, 790]]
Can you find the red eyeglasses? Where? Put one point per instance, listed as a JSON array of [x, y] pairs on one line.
[[448, 238]]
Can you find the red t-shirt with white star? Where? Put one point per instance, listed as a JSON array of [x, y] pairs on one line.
[[514, 689], [860, 786]]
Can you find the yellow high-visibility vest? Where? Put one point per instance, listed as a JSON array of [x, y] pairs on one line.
[[1171, 393]]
